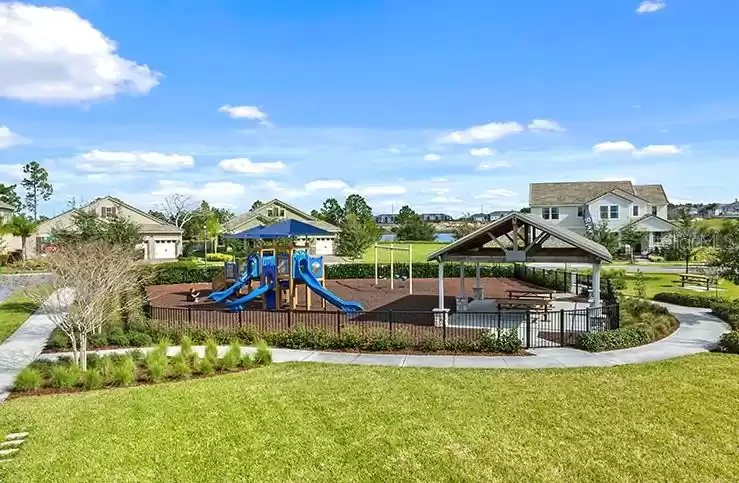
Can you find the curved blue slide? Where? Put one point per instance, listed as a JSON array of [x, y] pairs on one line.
[[315, 285], [243, 280], [237, 305]]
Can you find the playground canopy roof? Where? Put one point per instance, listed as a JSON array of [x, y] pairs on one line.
[[283, 229], [250, 234], [520, 237]]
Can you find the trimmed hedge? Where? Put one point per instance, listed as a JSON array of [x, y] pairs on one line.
[[686, 300], [613, 339], [188, 272], [727, 311], [729, 342], [219, 257]]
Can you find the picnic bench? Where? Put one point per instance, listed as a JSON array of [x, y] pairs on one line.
[[530, 293], [524, 303], [696, 278]]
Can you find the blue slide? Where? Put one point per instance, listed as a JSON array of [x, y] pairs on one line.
[[237, 305], [243, 280], [315, 285]]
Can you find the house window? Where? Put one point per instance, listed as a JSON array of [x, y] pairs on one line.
[[604, 212], [555, 213], [579, 211], [550, 213], [108, 211], [614, 212], [269, 212], [282, 213], [635, 210], [658, 237], [654, 211]]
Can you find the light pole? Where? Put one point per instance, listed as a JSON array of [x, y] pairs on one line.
[[205, 243]]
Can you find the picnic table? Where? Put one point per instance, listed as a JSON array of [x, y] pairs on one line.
[[524, 303], [695, 277], [524, 293]]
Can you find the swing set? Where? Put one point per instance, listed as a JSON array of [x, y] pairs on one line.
[[393, 249]]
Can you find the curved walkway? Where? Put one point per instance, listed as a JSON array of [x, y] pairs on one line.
[[699, 331]]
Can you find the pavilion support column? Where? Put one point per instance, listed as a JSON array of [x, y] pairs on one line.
[[441, 314], [596, 285], [478, 289], [461, 279], [441, 285]]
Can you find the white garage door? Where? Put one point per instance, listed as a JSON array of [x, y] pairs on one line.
[[165, 249], [324, 246]]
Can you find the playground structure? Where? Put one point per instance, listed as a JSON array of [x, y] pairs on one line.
[[280, 276], [392, 248]]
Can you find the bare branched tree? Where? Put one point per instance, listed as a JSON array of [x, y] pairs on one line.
[[179, 208], [96, 275]]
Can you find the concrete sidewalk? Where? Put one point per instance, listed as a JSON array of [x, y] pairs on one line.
[[699, 331], [26, 343]]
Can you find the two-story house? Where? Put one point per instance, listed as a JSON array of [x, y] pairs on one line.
[[385, 219], [276, 210], [615, 203], [161, 241]]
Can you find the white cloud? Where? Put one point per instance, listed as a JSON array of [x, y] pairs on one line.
[[99, 178], [483, 133], [8, 138], [244, 112], [484, 166], [494, 194], [389, 190], [97, 160], [394, 150], [432, 157], [325, 184], [545, 125], [445, 199], [481, 152], [650, 6], [13, 171], [216, 191], [614, 146], [659, 150], [246, 166], [50, 54]]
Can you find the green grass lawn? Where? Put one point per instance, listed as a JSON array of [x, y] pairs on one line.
[[670, 282], [668, 421], [714, 223], [420, 252], [14, 311]]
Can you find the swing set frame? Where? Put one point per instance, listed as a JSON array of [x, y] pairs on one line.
[[392, 248]]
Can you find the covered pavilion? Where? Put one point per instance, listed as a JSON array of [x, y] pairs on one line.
[[519, 238]]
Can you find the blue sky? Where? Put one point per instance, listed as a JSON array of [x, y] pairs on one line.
[[446, 106]]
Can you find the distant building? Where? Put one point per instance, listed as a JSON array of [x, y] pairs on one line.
[[487, 217], [386, 219], [435, 217], [730, 210]]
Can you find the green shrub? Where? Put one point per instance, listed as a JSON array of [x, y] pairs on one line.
[[58, 340], [211, 350], [655, 258], [179, 367], [29, 379], [107, 368], [460, 345], [431, 343], [263, 356], [727, 311], [613, 339], [232, 358], [186, 349], [64, 376], [219, 257], [181, 272], [206, 367], [92, 379], [156, 363], [118, 338], [729, 342], [124, 372], [138, 338], [93, 360], [97, 340], [684, 299], [506, 341], [420, 270]]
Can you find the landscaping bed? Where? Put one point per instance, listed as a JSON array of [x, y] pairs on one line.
[[134, 368], [322, 422]]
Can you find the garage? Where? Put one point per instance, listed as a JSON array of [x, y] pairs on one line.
[[324, 245], [165, 249]]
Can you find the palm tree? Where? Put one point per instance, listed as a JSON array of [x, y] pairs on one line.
[[22, 227]]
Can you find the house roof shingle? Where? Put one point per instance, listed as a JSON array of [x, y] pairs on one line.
[[256, 213], [580, 192]]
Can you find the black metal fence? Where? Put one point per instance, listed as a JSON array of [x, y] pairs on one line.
[[565, 281], [419, 329]]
